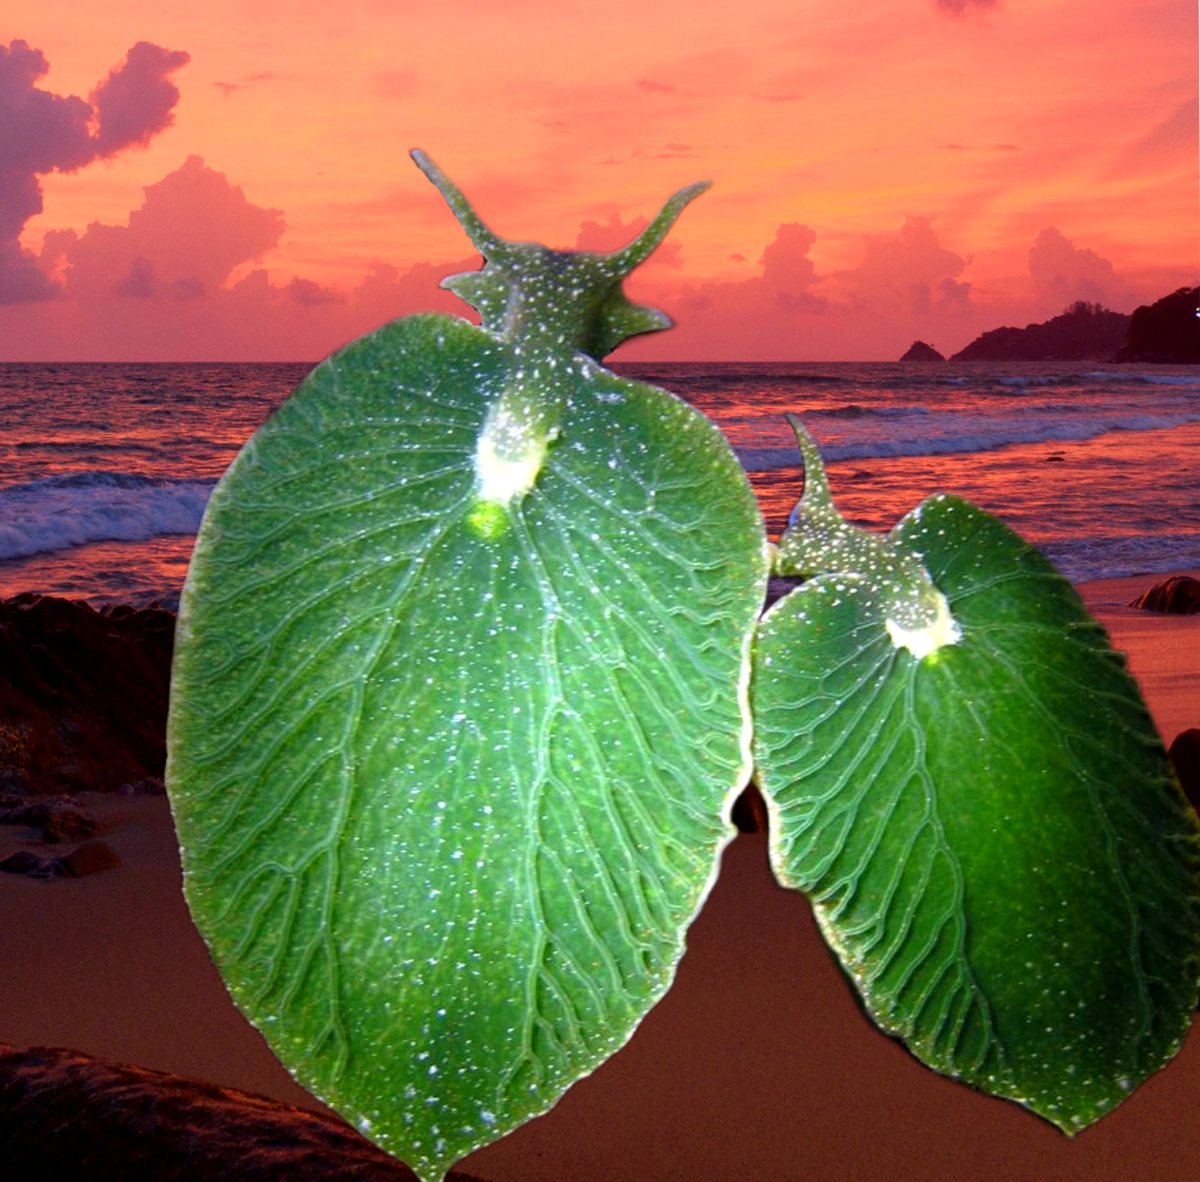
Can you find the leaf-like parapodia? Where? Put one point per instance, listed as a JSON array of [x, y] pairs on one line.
[[991, 836], [451, 778]]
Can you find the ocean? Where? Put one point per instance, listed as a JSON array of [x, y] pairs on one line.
[[105, 469]]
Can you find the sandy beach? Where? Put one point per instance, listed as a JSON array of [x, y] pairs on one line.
[[757, 1065]]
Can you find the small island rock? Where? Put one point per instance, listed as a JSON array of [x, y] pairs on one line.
[[920, 351]]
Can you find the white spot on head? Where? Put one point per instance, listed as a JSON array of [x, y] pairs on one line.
[[923, 641], [503, 480]]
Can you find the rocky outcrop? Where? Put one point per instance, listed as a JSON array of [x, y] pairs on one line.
[[1084, 332], [29, 864], [1179, 595], [90, 858], [66, 1115], [83, 694], [1166, 332], [60, 818], [920, 351]]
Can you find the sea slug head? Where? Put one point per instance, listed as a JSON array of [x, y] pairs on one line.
[[554, 302]]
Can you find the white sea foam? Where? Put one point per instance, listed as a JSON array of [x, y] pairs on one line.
[[942, 434], [1114, 556], [58, 512], [1187, 381]]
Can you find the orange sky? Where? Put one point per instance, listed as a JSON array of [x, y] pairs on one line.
[[883, 169]]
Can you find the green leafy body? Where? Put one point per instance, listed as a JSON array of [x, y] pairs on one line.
[[459, 708], [462, 698], [990, 834]]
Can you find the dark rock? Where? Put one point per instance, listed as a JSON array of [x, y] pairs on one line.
[[68, 821], [90, 858], [1185, 755], [24, 862], [15, 781], [65, 1115], [83, 694], [1179, 595], [150, 786], [1084, 332], [920, 351], [61, 818], [14, 809], [1056, 459], [1166, 332]]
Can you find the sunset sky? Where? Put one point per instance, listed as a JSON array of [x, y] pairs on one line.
[[883, 170]]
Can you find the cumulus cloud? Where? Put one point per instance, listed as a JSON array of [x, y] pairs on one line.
[[955, 296], [907, 284], [136, 101], [41, 132], [140, 283], [788, 272], [192, 230], [906, 268], [161, 286], [757, 317], [308, 293], [1063, 273]]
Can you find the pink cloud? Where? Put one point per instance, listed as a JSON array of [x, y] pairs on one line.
[[41, 132], [904, 269], [309, 294], [787, 269], [907, 285], [756, 317], [193, 226], [1063, 273], [158, 287], [955, 295], [136, 101]]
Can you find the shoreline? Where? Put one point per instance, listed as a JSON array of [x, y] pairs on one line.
[[757, 1064]]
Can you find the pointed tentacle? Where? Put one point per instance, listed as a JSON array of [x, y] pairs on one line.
[[485, 240], [644, 244]]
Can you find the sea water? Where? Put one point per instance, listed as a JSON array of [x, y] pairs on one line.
[[105, 469]]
